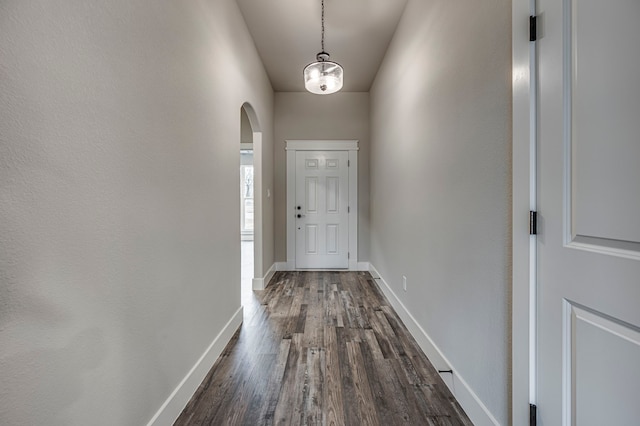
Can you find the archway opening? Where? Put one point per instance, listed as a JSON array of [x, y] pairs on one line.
[[250, 203]]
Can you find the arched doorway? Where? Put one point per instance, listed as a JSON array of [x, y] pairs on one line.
[[250, 201]]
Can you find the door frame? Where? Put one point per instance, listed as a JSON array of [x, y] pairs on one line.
[[350, 145], [524, 177]]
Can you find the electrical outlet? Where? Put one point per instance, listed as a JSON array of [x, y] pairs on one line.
[[404, 283]]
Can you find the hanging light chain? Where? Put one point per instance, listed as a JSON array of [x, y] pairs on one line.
[[322, 42]]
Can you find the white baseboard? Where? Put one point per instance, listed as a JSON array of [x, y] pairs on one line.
[[285, 266], [362, 266], [173, 406], [471, 404], [290, 266], [261, 283]]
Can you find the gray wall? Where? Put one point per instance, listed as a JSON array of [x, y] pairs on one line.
[[119, 203], [246, 133], [440, 183], [341, 115]]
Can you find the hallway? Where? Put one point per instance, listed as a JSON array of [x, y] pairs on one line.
[[322, 348], [122, 129]]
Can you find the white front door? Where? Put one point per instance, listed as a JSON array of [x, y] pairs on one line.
[[589, 213], [321, 203]]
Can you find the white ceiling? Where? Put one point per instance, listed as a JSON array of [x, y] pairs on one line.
[[287, 35]]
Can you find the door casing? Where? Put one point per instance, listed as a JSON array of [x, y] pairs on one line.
[[523, 169], [322, 145]]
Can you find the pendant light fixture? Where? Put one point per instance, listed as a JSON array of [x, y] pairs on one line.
[[323, 77]]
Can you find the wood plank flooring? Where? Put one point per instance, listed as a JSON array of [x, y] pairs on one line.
[[322, 348]]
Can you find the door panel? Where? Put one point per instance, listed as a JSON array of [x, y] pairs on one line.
[[311, 194], [322, 235], [588, 203], [605, 99], [332, 239], [607, 353], [311, 243], [333, 195]]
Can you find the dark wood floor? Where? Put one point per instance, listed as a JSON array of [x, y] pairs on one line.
[[322, 348]]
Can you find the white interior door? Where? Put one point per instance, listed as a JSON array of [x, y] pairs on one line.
[[589, 213], [322, 220]]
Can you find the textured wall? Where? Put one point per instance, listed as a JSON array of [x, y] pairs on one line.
[[119, 204], [440, 182], [307, 116]]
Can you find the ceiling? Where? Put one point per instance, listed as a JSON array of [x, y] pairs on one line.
[[287, 36]]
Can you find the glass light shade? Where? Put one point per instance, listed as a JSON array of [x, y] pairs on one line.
[[323, 77]]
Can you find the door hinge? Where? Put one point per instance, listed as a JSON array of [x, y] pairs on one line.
[[348, 163], [348, 209], [533, 223], [533, 414], [348, 255], [533, 36]]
